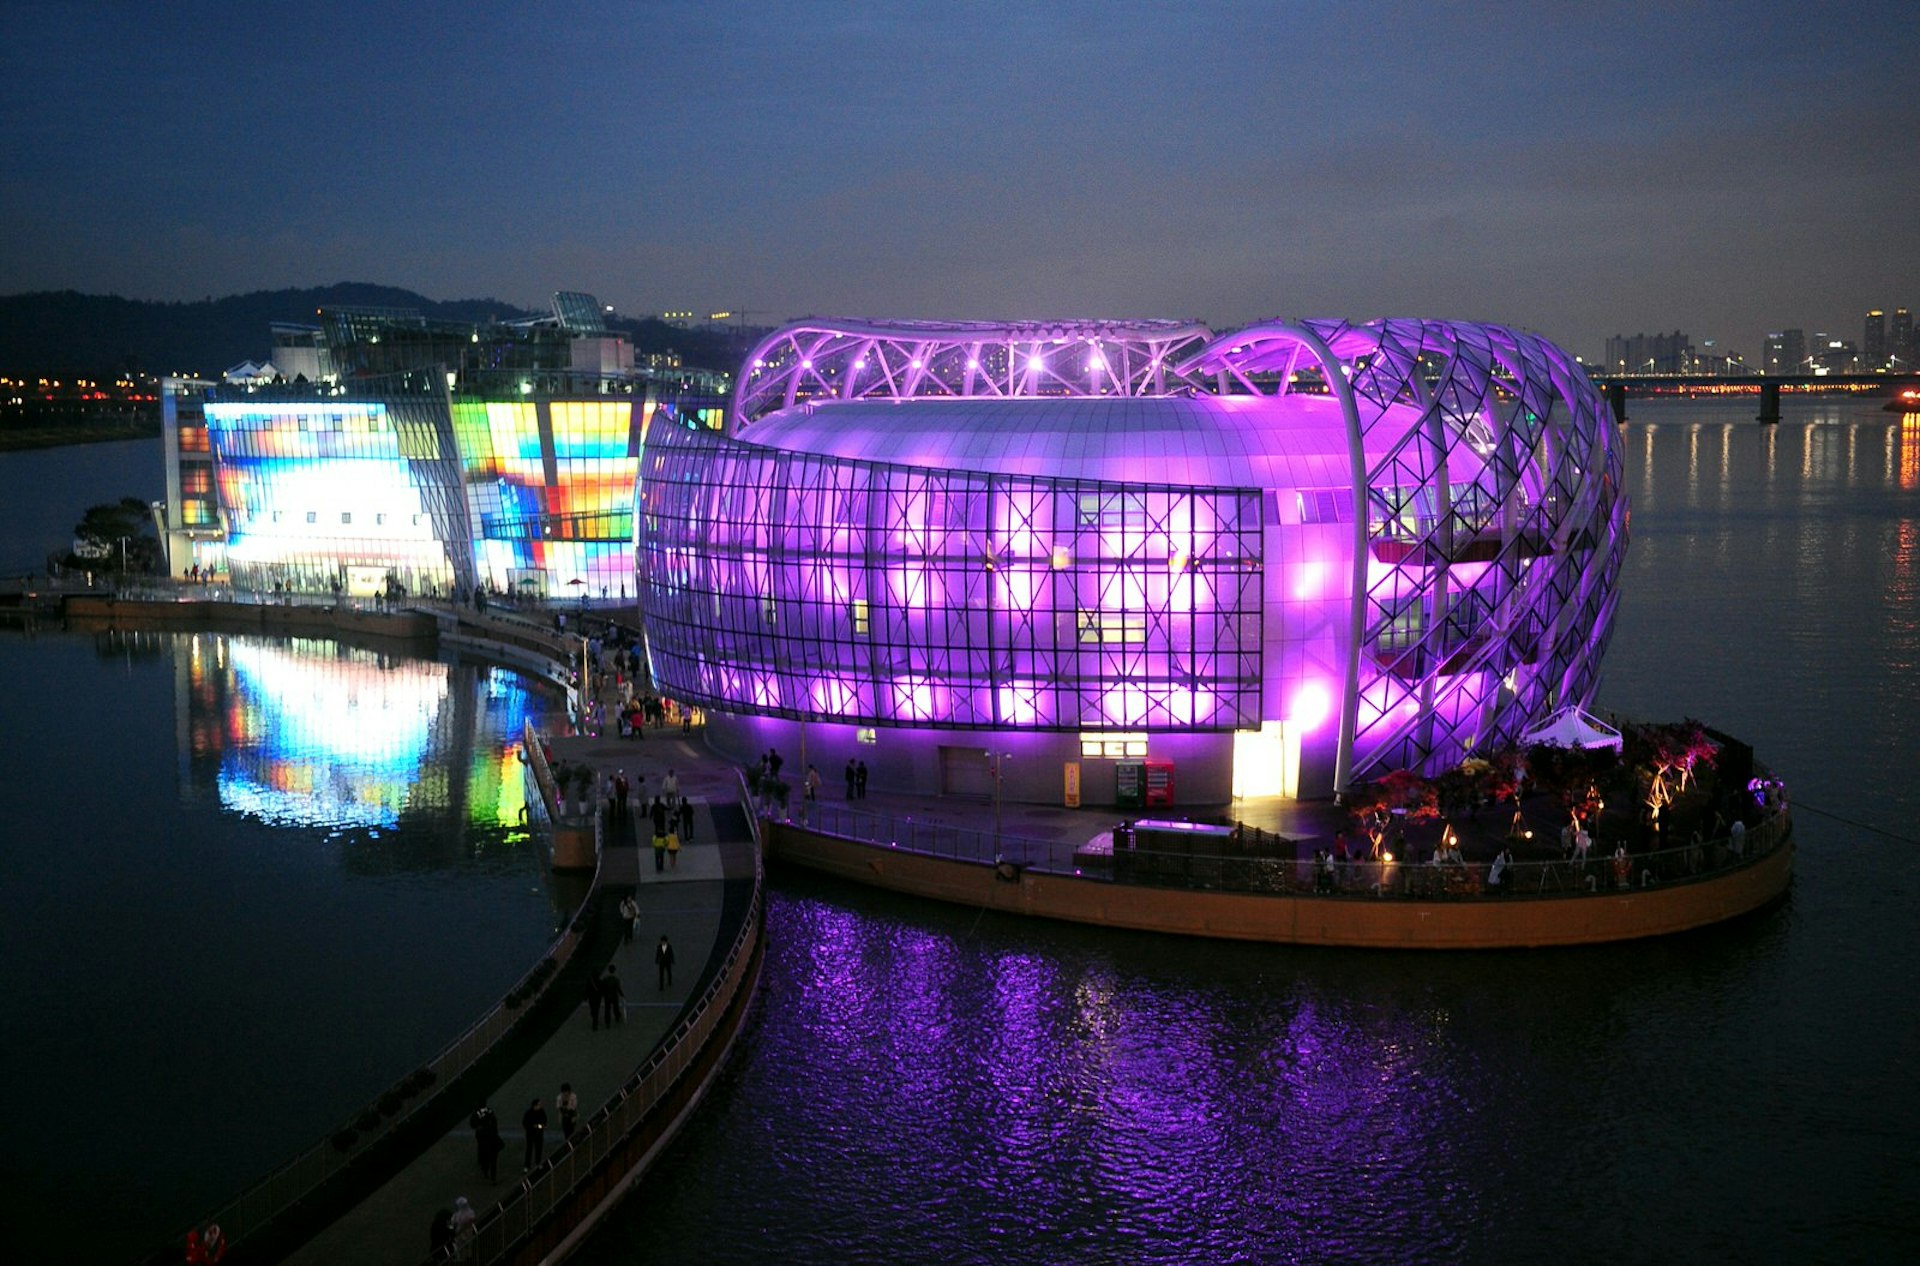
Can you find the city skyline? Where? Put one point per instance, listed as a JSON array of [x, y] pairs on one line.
[[1581, 176]]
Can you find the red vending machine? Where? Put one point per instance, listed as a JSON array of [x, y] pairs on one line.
[[1159, 783]]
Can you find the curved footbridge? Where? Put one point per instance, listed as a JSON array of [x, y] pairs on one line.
[[368, 1192], [638, 1078]]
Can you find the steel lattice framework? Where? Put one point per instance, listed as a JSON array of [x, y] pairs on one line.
[[906, 360], [1425, 543], [1485, 566]]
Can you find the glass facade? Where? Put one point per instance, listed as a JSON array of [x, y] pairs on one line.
[[1485, 574], [1388, 545], [318, 492], [549, 490], [804, 586], [524, 494]]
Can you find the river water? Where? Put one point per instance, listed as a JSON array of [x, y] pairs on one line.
[[249, 884], [923, 1083]]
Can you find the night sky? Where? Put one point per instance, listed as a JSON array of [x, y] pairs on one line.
[[1579, 170]]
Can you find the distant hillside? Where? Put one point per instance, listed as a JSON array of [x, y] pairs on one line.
[[66, 332]]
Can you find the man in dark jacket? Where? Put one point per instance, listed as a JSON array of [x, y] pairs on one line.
[[663, 959]]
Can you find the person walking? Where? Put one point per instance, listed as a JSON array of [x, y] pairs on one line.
[[663, 959], [671, 786], [487, 1141], [440, 1232], [813, 783], [852, 777], [686, 820], [613, 997], [463, 1219], [621, 789], [673, 850], [567, 1104], [860, 781], [534, 1122], [629, 914]]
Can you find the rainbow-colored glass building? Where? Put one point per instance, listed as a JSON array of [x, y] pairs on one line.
[[421, 456], [432, 492], [1011, 556]]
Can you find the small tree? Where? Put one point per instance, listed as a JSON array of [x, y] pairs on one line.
[[115, 533], [1669, 754], [1401, 789]]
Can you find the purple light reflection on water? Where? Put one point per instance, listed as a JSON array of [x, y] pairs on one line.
[[955, 1089], [1740, 1094]]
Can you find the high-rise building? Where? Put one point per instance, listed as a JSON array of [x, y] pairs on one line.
[[1906, 355], [1830, 355], [1873, 342], [1786, 353], [1650, 354]]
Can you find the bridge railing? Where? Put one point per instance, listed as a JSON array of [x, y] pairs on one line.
[[1269, 869], [280, 1190], [647, 1102]]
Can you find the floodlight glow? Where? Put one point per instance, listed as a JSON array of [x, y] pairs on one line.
[[1312, 705]]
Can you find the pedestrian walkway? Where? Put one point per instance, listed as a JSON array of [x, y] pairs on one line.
[[687, 905]]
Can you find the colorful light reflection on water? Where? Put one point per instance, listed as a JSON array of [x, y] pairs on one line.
[[252, 883]]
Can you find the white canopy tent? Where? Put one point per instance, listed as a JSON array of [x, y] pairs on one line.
[[1571, 727]]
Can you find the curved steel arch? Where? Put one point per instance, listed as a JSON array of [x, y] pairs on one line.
[[1493, 532], [1487, 511], [905, 360]]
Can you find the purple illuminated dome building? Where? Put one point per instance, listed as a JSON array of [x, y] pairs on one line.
[[1280, 560]]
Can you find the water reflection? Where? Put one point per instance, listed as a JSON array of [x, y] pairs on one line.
[[303, 872], [311, 732]]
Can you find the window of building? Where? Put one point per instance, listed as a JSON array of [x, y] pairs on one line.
[[1325, 505], [1111, 745], [1400, 512], [313, 516], [346, 516], [1113, 511], [862, 621], [379, 520], [866, 734]]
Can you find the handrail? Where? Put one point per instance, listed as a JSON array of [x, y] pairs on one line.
[[580, 1160], [281, 1189], [1251, 872]]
